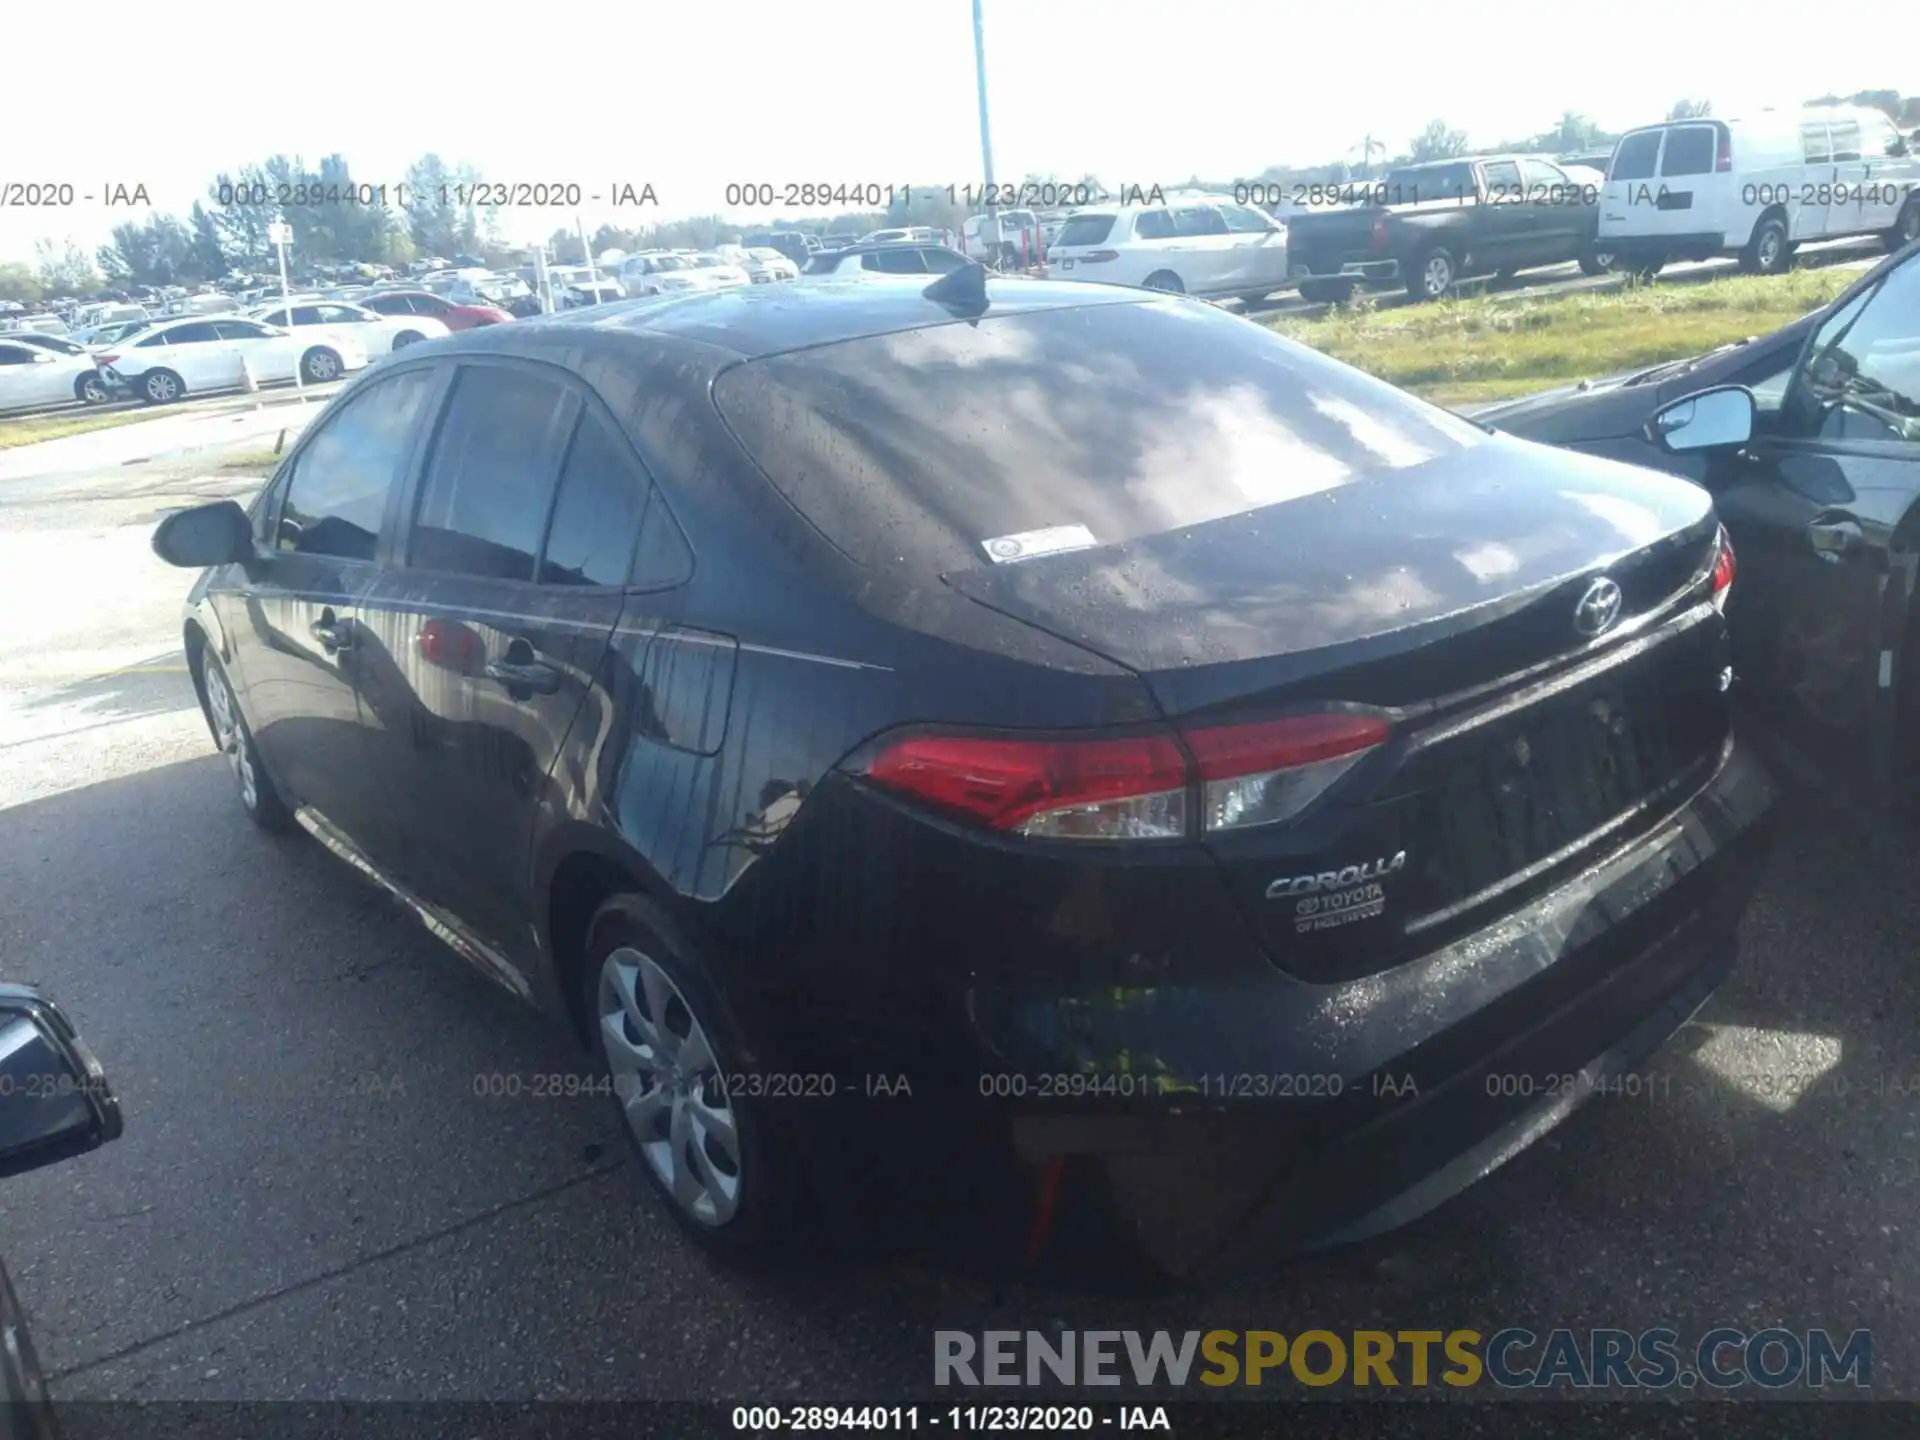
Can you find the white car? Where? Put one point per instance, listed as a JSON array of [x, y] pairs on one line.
[[719, 275], [381, 335], [762, 263], [31, 376], [193, 356], [1756, 188], [1206, 245]]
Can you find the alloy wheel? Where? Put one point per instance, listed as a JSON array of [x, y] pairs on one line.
[[322, 366], [231, 738], [1438, 275], [162, 388], [1768, 252], [666, 1076]]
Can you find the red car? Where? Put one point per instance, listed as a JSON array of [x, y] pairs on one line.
[[421, 302]]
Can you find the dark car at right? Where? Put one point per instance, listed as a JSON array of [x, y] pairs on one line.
[[1057, 758], [1808, 441]]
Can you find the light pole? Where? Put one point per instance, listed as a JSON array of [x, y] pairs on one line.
[[986, 133]]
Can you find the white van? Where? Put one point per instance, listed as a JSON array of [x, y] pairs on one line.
[[1756, 188]]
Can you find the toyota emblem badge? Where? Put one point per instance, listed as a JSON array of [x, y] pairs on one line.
[[1599, 607]]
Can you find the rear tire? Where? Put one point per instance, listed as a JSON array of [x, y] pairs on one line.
[[1165, 280], [235, 741], [1433, 275], [1767, 251], [715, 1161], [1906, 229], [406, 338], [161, 387], [1596, 262], [320, 366]]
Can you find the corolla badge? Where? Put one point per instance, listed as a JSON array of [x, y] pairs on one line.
[[1598, 608], [1346, 875]]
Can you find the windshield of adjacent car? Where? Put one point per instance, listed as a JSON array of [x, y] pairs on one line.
[[1129, 419]]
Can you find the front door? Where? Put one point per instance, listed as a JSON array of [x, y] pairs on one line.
[[294, 618], [489, 636], [1821, 607]]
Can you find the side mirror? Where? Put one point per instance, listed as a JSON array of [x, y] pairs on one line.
[[216, 534], [58, 1102], [1710, 420]]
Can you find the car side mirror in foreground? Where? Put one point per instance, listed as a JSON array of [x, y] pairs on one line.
[[216, 534], [54, 1099], [1710, 420]]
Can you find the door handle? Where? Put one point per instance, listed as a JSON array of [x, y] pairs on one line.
[[1834, 540], [532, 675], [333, 634]]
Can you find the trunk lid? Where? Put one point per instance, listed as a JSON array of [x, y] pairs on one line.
[[1445, 595]]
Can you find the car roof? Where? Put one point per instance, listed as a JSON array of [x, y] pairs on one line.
[[752, 322]]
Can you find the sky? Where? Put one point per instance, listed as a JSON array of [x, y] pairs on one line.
[[690, 97]]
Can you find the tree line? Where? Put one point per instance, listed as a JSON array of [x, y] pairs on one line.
[[226, 233]]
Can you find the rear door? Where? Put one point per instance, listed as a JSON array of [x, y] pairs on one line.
[[1846, 208], [1629, 204], [1821, 609], [1262, 247], [488, 641], [1205, 257], [1507, 225], [1563, 218], [1687, 191], [294, 618], [203, 359]]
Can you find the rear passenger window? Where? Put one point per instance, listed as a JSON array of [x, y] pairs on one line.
[[1153, 225], [1689, 151], [1634, 158], [1815, 145], [1198, 220], [483, 504], [596, 520], [338, 490]]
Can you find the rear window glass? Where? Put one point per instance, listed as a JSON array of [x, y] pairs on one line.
[[1689, 151], [1430, 182], [914, 449], [1086, 230], [1634, 157]]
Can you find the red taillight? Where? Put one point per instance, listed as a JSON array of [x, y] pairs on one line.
[[1264, 773], [1723, 569], [1096, 257], [106, 359], [1380, 230], [1033, 786], [1723, 153], [1134, 787]]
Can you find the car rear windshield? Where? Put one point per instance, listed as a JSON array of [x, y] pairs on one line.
[[913, 450], [1086, 230], [1634, 157]]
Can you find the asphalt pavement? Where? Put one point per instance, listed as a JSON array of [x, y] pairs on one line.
[[316, 1196]]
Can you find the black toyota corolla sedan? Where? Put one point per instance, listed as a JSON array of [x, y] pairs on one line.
[[1056, 752]]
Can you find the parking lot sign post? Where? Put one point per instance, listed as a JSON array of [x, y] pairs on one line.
[[280, 234]]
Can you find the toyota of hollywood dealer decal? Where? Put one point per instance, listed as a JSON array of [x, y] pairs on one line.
[[1340, 896]]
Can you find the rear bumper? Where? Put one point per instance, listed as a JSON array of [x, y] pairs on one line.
[[1217, 1114], [1609, 967], [1322, 267]]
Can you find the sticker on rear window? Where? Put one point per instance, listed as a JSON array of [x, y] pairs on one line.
[[1003, 549]]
